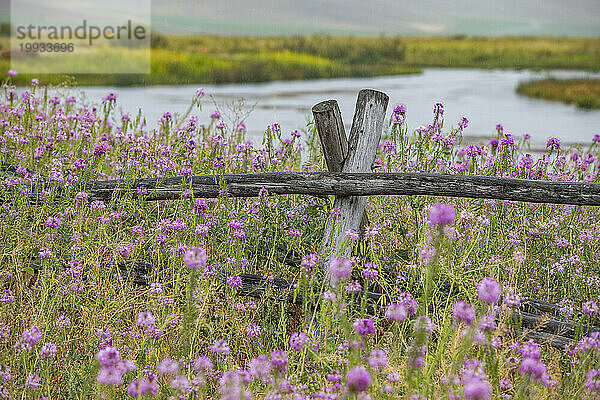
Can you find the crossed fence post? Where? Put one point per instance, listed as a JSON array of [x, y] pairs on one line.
[[355, 154]]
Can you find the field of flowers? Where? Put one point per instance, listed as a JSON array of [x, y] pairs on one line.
[[73, 325]]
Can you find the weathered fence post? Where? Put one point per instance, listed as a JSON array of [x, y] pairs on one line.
[[330, 127], [365, 135], [328, 120]]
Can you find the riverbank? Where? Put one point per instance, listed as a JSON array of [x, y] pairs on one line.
[[209, 59], [485, 97], [584, 93]]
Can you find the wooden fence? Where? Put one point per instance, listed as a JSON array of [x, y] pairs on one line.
[[350, 180], [345, 184]]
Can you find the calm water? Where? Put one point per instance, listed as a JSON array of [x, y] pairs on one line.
[[485, 97]]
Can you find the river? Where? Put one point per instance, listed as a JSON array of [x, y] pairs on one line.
[[485, 97]]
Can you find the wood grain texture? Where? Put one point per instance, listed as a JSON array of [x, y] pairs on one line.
[[351, 184], [365, 135], [550, 339], [330, 127]]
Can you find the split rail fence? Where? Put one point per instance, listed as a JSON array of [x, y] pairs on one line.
[[350, 180]]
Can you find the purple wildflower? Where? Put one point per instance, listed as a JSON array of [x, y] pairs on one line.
[[111, 97], [530, 350], [464, 312], [298, 340], [32, 335], [181, 383], [110, 376], [358, 379], [475, 388], [6, 296], [407, 300], [294, 232], [352, 234], [340, 268], [202, 364], [489, 290], [253, 331], [441, 214], [532, 368], [511, 299], [279, 360], [592, 384], [108, 357], [168, 367], [124, 251], [487, 323], [33, 381], [590, 308], [63, 321], [397, 119], [399, 109], [220, 346], [145, 319], [144, 386], [364, 326], [195, 258], [334, 376], [396, 312], [309, 262], [48, 350], [370, 271], [234, 281], [52, 222], [377, 358], [553, 143], [353, 287], [231, 386], [260, 368]]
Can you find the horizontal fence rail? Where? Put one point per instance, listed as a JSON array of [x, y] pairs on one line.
[[353, 184]]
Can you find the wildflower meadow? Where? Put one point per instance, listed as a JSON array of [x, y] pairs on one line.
[[75, 325]]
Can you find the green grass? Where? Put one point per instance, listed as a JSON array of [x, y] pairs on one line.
[[60, 252], [504, 52], [584, 93], [205, 59]]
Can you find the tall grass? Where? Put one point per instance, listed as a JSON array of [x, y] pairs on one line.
[[584, 93], [220, 59], [73, 325]]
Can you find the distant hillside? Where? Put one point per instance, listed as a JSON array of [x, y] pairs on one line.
[[415, 17], [373, 17]]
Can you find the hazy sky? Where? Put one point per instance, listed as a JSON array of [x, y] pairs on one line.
[[417, 17]]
